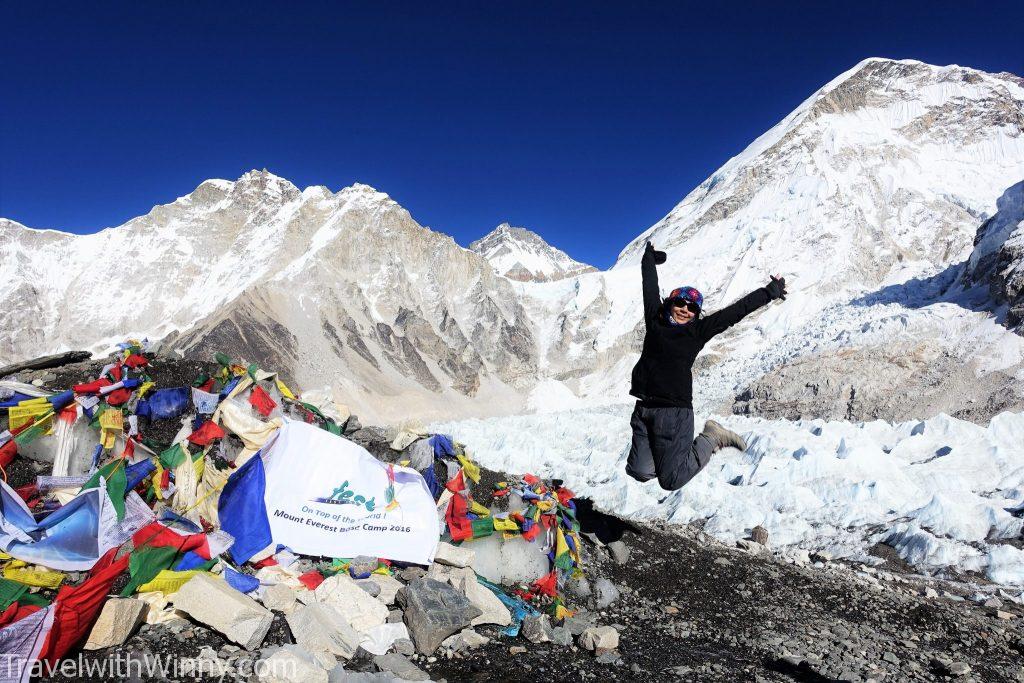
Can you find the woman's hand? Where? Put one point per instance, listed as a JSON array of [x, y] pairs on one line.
[[777, 288], [659, 256]]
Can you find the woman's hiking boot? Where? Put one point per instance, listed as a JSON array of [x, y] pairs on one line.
[[720, 437]]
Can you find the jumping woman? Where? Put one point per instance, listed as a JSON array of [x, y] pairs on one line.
[[663, 444]]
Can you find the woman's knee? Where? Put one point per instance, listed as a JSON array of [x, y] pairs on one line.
[[638, 475], [672, 481]]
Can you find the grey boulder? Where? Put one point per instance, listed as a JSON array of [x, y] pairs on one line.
[[433, 611]]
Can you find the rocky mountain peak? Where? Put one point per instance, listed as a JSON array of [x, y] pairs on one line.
[[520, 254], [266, 186]]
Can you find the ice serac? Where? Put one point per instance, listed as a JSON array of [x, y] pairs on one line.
[[522, 255], [867, 197], [341, 288], [943, 493]]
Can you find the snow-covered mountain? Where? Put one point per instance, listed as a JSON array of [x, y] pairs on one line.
[[522, 255], [867, 197], [344, 289]]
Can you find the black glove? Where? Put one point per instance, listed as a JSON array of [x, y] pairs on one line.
[[776, 288], [659, 256]]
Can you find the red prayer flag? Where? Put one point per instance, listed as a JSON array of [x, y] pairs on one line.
[[312, 579], [459, 525], [157, 535], [16, 612], [8, 616], [92, 387], [530, 479], [27, 492], [77, 607], [265, 562], [119, 396], [261, 401], [136, 361], [457, 483], [548, 585], [7, 452], [206, 434]]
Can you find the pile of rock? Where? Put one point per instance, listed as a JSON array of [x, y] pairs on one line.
[[384, 624]]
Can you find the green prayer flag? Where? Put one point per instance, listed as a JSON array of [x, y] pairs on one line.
[[222, 358], [117, 482], [34, 599], [483, 527], [11, 592], [28, 435], [173, 456], [564, 561], [145, 563]]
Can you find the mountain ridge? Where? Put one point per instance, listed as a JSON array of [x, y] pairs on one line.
[[887, 183], [522, 255]]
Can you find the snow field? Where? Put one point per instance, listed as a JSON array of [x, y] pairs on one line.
[[942, 491]]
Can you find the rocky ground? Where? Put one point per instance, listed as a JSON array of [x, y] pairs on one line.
[[686, 607], [657, 603]]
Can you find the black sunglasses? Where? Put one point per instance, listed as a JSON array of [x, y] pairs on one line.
[[683, 303]]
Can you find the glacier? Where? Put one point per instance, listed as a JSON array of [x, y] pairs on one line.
[[945, 493]]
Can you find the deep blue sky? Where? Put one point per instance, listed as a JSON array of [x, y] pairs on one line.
[[584, 122]]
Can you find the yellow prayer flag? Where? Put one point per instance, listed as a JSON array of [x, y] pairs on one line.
[[471, 469], [112, 419], [108, 438], [505, 524], [199, 462], [563, 613], [285, 391], [43, 578], [168, 581], [560, 545], [111, 424], [146, 386], [24, 412], [478, 509], [37, 401], [158, 475]]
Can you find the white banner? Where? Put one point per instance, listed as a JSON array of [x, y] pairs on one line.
[[328, 496]]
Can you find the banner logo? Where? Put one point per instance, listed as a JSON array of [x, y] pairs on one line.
[[343, 495]]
